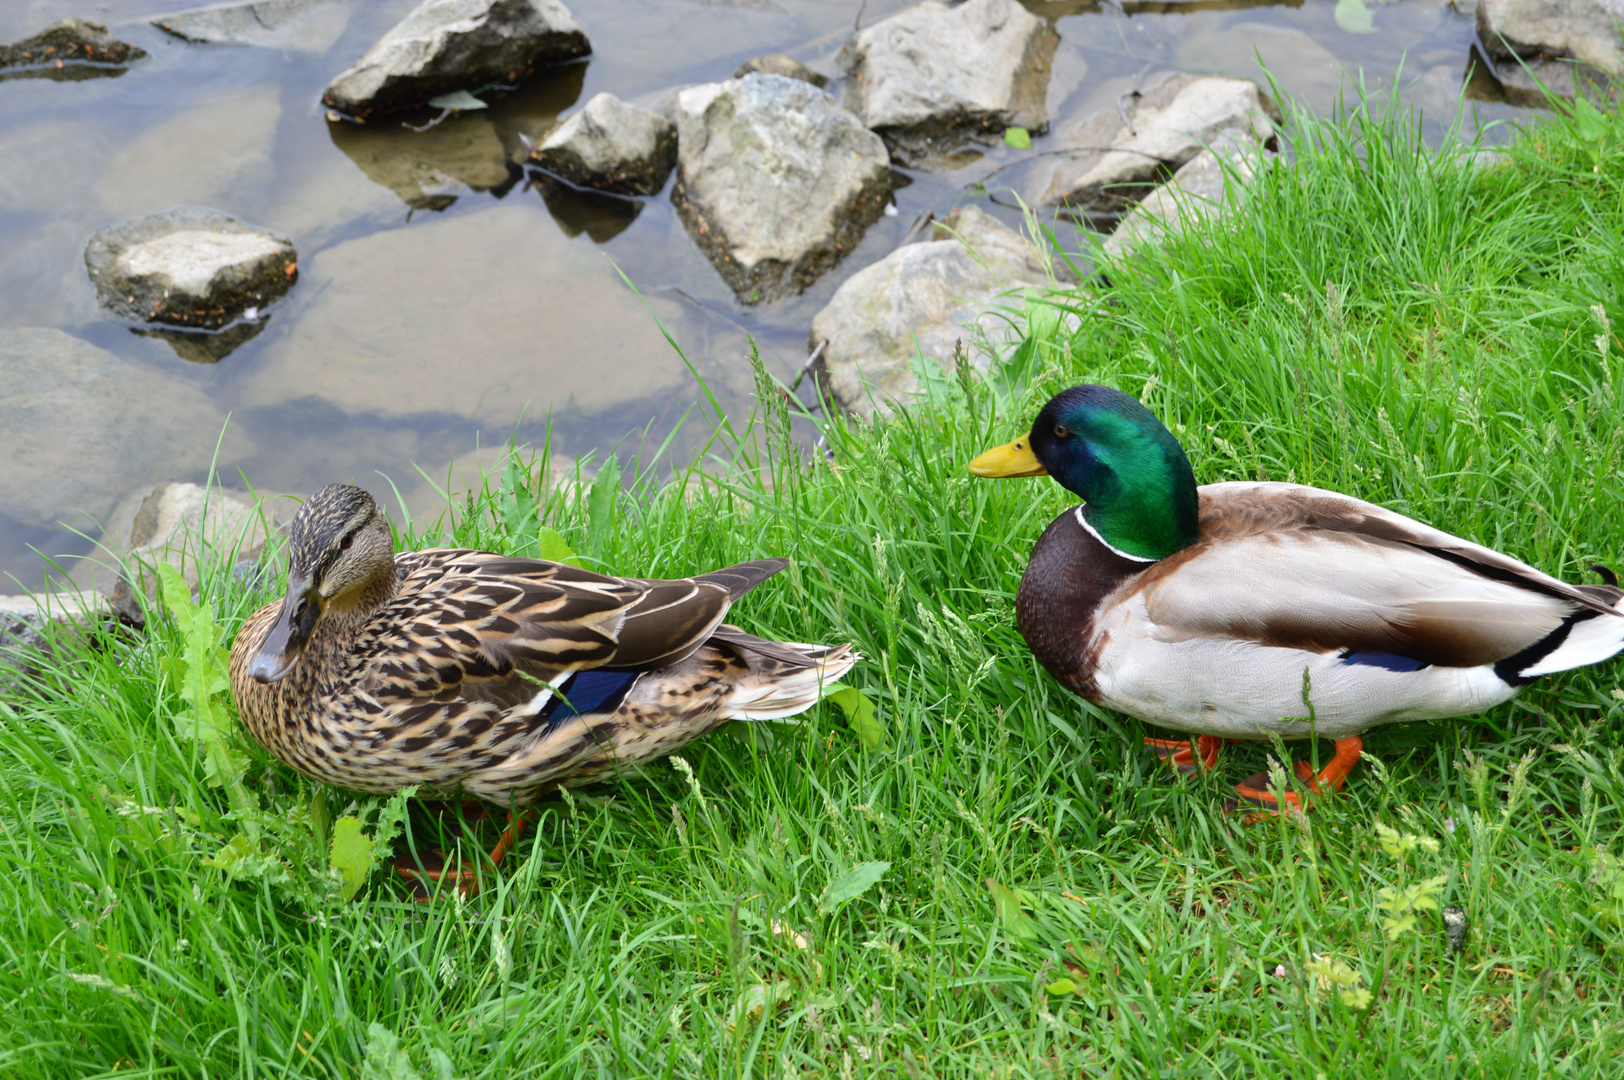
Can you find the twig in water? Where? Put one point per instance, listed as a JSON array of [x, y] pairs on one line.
[[857, 24], [806, 367], [920, 224], [443, 114], [1134, 93]]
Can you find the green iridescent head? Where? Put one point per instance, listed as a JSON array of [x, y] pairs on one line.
[[1137, 487]]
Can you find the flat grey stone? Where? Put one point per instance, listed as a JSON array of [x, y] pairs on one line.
[[932, 76], [779, 64], [1112, 164], [79, 427], [188, 267], [32, 627], [1201, 188], [446, 45], [932, 293], [775, 182], [612, 146], [310, 26]]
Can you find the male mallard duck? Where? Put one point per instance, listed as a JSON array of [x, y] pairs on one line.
[[500, 677], [1213, 610]]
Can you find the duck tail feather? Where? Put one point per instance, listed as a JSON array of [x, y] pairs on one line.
[[774, 689], [740, 579], [1588, 641]]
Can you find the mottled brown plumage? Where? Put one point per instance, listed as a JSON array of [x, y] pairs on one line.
[[499, 677]]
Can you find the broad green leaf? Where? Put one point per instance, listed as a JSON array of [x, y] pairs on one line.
[[242, 859], [1018, 137], [391, 818], [457, 99], [551, 545], [385, 1059], [1592, 122], [1354, 17], [518, 509], [860, 714], [203, 672], [600, 506], [351, 854], [1008, 906], [850, 885], [1059, 987]]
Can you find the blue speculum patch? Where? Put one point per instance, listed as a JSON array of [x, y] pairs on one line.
[[1389, 661], [589, 692]]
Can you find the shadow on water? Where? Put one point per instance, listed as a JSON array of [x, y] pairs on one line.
[[602, 217], [204, 347], [426, 157]]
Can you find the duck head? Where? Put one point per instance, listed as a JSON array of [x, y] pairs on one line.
[[341, 564], [1137, 487]]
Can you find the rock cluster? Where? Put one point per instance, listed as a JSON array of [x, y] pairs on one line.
[[1200, 188], [779, 64], [32, 626], [611, 146], [933, 75], [188, 267], [446, 45], [775, 182]]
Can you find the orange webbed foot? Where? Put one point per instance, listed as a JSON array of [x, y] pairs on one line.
[[429, 868], [1255, 791], [1182, 756]]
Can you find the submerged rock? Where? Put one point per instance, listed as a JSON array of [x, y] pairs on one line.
[[190, 528], [68, 49], [127, 421], [425, 168], [1111, 163], [924, 293], [188, 267], [779, 64], [446, 45], [932, 76], [311, 26], [775, 182], [1569, 45], [1198, 190], [611, 146]]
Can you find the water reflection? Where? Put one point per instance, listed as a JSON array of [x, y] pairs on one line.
[[204, 347], [576, 210], [425, 159]]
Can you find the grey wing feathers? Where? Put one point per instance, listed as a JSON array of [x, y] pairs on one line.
[[740, 579]]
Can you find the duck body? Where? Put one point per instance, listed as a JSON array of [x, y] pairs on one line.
[[1386, 619], [1249, 610], [497, 677]]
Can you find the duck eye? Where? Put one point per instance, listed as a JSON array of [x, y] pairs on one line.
[[1061, 431], [349, 539]]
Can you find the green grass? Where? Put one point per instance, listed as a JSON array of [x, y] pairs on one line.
[[1375, 320]]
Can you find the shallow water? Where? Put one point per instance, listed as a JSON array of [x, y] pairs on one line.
[[446, 302]]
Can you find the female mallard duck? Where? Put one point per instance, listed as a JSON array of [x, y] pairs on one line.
[[1213, 610], [503, 678]]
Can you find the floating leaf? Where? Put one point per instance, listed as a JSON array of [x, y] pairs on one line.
[[850, 885], [550, 545], [457, 99], [1354, 17], [1059, 987], [1018, 137], [1008, 905], [351, 854], [860, 714]]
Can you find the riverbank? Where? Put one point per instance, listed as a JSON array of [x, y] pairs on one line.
[[1433, 333]]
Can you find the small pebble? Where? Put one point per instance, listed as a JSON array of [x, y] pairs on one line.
[[1457, 926]]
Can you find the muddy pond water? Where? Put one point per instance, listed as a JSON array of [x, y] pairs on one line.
[[445, 300]]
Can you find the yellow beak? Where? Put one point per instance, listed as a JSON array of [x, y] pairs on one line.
[[1011, 459]]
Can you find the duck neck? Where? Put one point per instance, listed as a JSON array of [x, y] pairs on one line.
[[348, 613], [1140, 500]]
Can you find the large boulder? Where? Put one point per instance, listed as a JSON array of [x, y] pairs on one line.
[[80, 426], [1565, 44], [927, 293], [189, 267], [611, 146], [309, 26], [1114, 158], [932, 76], [68, 48], [446, 45], [192, 528], [1201, 188], [775, 182]]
